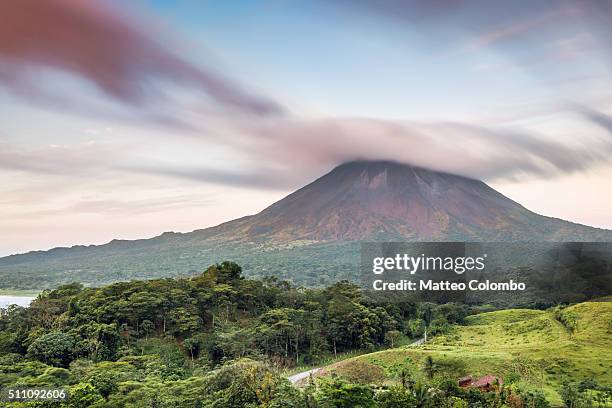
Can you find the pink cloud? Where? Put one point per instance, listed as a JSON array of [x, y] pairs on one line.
[[92, 40]]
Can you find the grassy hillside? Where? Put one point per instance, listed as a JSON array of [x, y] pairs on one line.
[[532, 346]]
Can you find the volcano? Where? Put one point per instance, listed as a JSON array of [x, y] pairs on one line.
[[365, 200], [312, 231]]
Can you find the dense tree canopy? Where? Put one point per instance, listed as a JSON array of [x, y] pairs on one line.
[[213, 340], [215, 316]]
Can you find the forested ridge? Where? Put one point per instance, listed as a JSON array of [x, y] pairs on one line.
[[219, 340], [215, 316], [177, 328]]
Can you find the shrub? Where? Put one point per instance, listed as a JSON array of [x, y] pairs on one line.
[[337, 393], [395, 397], [84, 395]]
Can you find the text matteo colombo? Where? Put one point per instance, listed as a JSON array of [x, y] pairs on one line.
[[459, 265]]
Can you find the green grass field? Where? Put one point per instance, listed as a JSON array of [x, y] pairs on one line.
[[530, 344]]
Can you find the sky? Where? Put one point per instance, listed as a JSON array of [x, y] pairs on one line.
[[123, 121]]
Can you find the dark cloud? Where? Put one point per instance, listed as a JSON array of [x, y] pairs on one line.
[[93, 41]]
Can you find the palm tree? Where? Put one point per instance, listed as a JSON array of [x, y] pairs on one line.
[[421, 395], [429, 367], [407, 381]]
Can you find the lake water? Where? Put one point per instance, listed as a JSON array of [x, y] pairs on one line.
[[16, 300]]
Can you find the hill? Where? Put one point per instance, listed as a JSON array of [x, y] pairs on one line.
[[532, 347], [311, 236]]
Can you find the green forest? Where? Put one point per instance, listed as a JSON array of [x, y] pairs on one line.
[[220, 340]]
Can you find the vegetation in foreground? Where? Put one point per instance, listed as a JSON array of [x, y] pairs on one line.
[[219, 340], [563, 351]]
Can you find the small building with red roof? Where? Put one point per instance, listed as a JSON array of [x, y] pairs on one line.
[[486, 383]]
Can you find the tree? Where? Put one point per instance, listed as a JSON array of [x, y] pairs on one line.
[[147, 326], [192, 344], [439, 325], [429, 367], [421, 395], [144, 305], [406, 380], [426, 315], [224, 300], [416, 328], [100, 340], [126, 332], [225, 272], [55, 348], [570, 393], [236, 342], [184, 322], [246, 383], [391, 337]]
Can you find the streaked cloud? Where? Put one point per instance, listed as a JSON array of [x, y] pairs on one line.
[[81, 159], [270, 149], [93, 41], [525, 31]]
